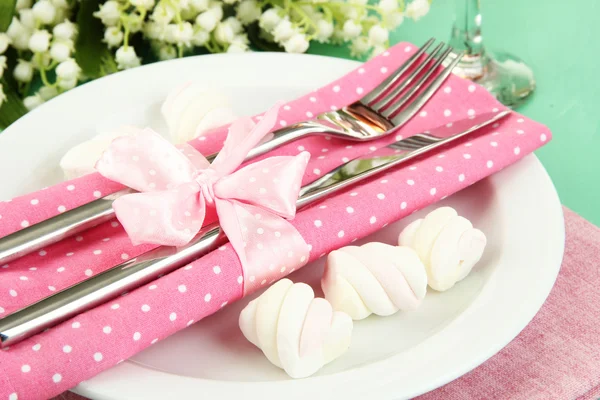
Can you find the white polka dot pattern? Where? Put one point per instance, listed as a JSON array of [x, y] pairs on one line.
[[132, 330]]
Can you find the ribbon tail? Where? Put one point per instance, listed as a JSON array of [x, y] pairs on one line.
[[242, 137], [268, 246]]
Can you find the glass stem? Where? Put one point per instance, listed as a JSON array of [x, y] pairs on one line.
[[466, 37], [466, 31]]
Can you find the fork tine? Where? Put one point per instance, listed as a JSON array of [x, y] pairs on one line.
[[381, 104], [399, 102], [422, 98], [391, 80]]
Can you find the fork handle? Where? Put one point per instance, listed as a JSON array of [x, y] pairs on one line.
[[286, 135], [89, 215]]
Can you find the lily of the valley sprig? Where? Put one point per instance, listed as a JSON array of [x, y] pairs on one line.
[[50, 46]]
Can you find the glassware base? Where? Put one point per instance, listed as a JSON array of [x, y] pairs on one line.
[[507, 77]]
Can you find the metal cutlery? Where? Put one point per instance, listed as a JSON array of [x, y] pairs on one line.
[[152, 264], [380, 112]]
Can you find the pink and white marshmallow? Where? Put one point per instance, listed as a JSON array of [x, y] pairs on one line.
[[375, 278], [447, 244]]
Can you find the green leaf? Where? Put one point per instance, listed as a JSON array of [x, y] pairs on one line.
[[258, 41], [12, 108], [90, 51], [7, 10]]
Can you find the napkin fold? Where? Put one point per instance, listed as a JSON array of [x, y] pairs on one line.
[[56, 360]]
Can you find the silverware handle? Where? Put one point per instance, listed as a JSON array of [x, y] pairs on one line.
[[148, 266], [52, 230], [89, 215], [105, 286]]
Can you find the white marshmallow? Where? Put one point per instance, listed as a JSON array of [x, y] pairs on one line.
[[192, 109], [296, 331], [447, 244], [81, 159]]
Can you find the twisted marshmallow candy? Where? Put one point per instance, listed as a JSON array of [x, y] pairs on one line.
[[374, 278], [295, 331], [447, 244]]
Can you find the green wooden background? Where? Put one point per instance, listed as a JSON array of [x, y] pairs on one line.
[[560, 40]]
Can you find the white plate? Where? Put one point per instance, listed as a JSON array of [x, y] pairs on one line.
[[390, 358]]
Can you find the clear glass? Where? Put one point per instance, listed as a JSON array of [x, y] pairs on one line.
[[506, 76]]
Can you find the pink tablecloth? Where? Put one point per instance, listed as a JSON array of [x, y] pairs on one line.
[[557, 356]]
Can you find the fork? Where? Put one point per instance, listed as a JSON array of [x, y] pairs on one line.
[[377, 114]]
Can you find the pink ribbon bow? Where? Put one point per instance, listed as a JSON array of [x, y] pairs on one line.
[[177, 185]]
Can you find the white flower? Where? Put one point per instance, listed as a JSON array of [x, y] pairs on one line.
[[163, 13], [167, 52], [28, 19], [388, 6], [284, 30], [81, 159], [209, 19], [134, 24], [417, 8], [179, 33], [47, 92], [21, 4], [126, 57], [248, 11], [67, 84], [42, 60], [296, 44], [60, 3], [68, 70], [269, 19], [237, 47], [224, 33], [2, 95], [39, 41], [187, 106], [113, 36], [199, 5], [32, 102], [325, 30], [145, 4], [109, 13], [351, 29], [4, 42], [182, 4], [200, 37], [2, 65], [239, 44], [378, 35], [60, 51], [65, 30], [349, 12], [44, 11], [23, 71], [18, 34], [359, 46], [392, 20], [61, 14], [235, 24], [153, 30]]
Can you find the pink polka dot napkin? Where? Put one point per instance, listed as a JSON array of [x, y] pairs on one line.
[[60, 358]]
